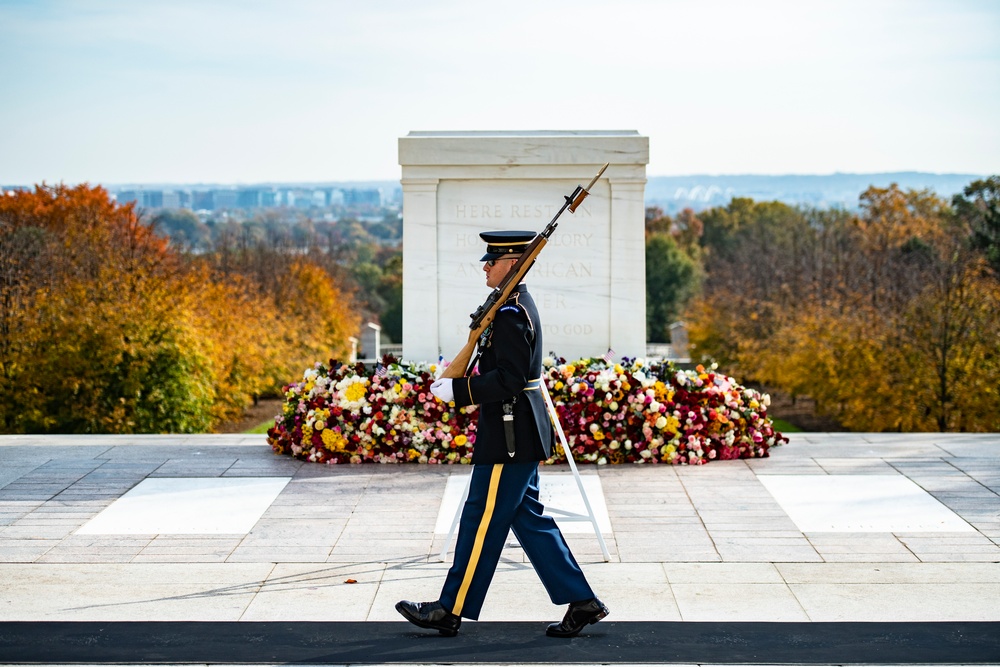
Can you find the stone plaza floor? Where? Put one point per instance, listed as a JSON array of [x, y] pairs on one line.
[[840, 527]]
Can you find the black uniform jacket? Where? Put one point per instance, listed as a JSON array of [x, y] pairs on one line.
[[510, 366]]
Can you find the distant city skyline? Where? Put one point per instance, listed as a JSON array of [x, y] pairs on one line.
[[670, 193], [187, 92]]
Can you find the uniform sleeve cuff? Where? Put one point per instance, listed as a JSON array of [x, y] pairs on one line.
[[463, 393]]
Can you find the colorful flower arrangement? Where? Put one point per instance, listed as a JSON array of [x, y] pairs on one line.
[[628, 412]]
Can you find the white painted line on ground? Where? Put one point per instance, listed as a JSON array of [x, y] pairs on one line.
[[861, 504], [188, 506]]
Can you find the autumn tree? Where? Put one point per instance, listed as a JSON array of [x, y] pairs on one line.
[[92, 341], [888, 318], [106, 329]]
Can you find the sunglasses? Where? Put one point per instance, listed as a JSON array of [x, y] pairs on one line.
[[493, 262]]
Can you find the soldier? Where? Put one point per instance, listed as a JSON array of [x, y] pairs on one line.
[[503, 494]]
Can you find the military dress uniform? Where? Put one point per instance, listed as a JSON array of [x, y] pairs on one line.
[[503, 493]]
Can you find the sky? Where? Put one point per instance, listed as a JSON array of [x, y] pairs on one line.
[[206, 91]]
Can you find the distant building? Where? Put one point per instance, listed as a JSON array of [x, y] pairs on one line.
[[203, 200], [224, 199], [171, 199], [362, 197], [360, 200], [152, 199], [129, 196], [300, 198], [248, 197], [142, 198]]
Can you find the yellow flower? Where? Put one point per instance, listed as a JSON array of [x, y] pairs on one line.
[[460, 440], [333, 440], [355, 392]]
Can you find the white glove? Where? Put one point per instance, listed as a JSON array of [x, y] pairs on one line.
[[442, 389]]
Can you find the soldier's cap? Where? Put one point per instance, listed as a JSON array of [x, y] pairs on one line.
[[505, 244]]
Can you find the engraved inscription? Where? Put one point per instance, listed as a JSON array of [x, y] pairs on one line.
[[564, 270], [576, 329], [467, 211], [553, 301], [571, 240], [478, 211]]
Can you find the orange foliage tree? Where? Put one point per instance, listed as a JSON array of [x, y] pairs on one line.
[[890, 319], [104, 329]]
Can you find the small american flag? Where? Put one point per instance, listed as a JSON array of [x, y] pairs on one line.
[[381, 371], [608, 356]]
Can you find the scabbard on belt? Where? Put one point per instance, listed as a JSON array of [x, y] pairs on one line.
[[508, 426]]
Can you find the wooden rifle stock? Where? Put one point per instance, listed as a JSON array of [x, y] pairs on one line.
[[483, 317]]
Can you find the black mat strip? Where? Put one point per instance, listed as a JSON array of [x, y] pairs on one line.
[[607, 642]]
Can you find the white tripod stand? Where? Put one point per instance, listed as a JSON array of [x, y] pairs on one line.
[[563, 515]]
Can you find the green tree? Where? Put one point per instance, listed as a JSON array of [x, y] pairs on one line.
[[183, 228], [672, 278], [391, 291], [979, 207]]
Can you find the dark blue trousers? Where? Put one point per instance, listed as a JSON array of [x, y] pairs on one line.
[[502, 497]]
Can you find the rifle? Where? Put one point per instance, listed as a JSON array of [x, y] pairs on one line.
[[481, 319]]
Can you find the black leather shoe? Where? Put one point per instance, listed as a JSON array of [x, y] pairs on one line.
[[430, 615], [578, 616]]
